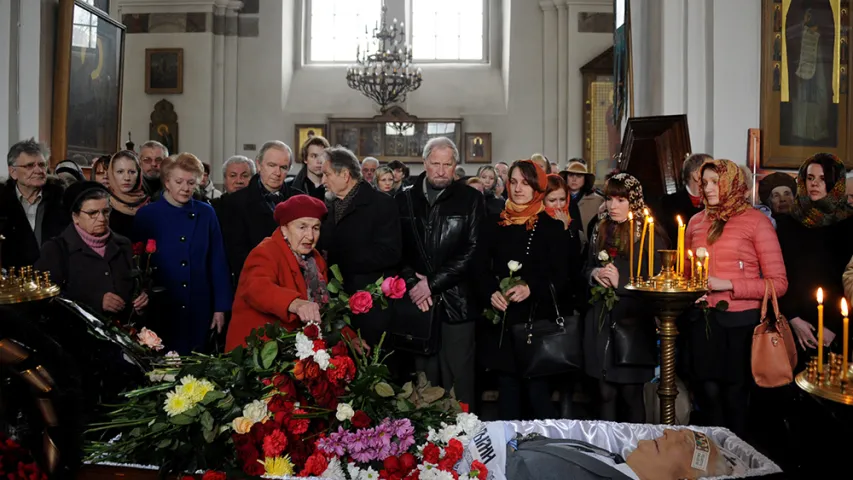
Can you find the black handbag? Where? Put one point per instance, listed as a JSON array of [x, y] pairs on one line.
[[633, 344], [547, 347], [411, 329]]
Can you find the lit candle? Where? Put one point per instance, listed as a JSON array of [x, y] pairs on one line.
[[680, 260], [690, 257], [819, 330], [651, 247], [642, 243], [699, 270], [846, 332], [631, 247]]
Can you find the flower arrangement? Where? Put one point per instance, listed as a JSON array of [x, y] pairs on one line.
[[600, 293], [17, 463], [505, 285]]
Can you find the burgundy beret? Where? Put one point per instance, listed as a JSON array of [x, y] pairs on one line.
[[299, 206]]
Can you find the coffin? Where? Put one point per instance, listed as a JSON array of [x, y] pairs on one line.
[[653, 149]]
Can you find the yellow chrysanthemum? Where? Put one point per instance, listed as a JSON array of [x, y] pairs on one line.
[[176, 404], [278, 466], [194, 389]]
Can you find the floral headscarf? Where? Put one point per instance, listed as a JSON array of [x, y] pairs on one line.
[[636, 203], [828, 210], [528, 213], [732, 193]]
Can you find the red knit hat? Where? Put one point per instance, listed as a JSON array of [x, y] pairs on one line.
[[299, 206]]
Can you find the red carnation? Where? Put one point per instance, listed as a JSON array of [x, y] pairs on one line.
[[453, 450], [138, 248], [315, 465], [312, 369], [408, 462], [340, 350], [257, 433], [319, 345], [298, 426], [285, 385], [274, 443], [276, 404], [213, 475], [446, 464], [151, 246], [361, 302], [392, 464], [464, 406], [479, 469], [360, 420], [312, 331], [431, 453], [344, 369]]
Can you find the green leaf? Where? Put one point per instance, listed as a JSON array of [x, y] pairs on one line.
[[209, 436], [268, 353], [402, 406], [336, 272], [164, 444], [379, 281], [212, 396], [384, 390], [193, 412], [206, 420], [181, 420], [347, 320], [332, 287], [157, 427]]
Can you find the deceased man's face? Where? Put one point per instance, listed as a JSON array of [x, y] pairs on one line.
[[677, 454]]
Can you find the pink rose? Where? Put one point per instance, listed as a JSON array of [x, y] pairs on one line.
[[151, 246], [361, 302], [150, 339], [394, 287]]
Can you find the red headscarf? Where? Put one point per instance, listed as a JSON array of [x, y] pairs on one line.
[[553, 211], [526, 214]]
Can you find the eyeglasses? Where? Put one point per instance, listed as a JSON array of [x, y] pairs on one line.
[[32, 166], [155, 160], [93, 214]]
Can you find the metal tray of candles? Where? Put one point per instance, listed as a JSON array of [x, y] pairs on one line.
[[835, 386]]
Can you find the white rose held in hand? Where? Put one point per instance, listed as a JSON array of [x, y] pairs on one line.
[[513, 266], [603, 256], [345, 412]]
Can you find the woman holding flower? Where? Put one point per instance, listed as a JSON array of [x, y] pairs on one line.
[[619, 329], [744, 251], [524, 243], [90, 263]]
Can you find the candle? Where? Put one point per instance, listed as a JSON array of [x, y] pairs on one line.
[[846, 333], [819, 330], [651, 247], [690, 256], [631, 247], [680, 259], [706, 269], [699, 270], [642, 243]]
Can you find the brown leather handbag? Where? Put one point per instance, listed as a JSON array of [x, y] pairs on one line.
[[774, 352]]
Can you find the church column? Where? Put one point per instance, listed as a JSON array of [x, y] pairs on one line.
[[8, 77], [231, 78], [550, 93], [217, 136], [562, 81]]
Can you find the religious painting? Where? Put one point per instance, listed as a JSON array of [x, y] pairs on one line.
[[601, 132], [303, 132], [478, 147], [805, 81], [87, 83], [164, 70], [164, 125]]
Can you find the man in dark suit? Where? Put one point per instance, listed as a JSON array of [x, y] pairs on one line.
[[31, 210], [310, 176], [247, 214], [361, 234], [685, 202]]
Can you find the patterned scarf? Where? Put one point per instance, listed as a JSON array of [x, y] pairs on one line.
[[527, 213], [342, 204], [636, 203], [828, 210], [127, 203], [317, 291], [732, 193]]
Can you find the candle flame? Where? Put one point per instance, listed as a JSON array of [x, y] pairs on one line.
[[630, 215], [680, 223], [690, 253], [646, 212], [820, 296], [699, 264], [651, 219], [843, 307]]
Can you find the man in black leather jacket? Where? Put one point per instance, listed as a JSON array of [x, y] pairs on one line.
[[446, 216]]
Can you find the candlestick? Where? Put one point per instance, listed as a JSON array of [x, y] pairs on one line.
[[819, 331], [651, 247], [631, 248], [642, 243], [846, 334], [680, 249]]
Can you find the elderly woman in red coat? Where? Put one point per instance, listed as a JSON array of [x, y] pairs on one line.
[[284, 277]]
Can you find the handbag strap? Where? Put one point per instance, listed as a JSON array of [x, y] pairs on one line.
[[779, 316], [559, 321], [767, 284], [415, 232]]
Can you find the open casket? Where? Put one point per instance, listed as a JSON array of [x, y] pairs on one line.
[[489, 446]]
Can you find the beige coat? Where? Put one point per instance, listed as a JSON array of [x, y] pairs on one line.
[[847, 279], [589, 205]]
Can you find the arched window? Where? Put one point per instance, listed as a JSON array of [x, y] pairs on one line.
[[449, 30], [336, 27]]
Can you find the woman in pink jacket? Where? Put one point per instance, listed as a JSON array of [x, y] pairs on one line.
[[743, 252]]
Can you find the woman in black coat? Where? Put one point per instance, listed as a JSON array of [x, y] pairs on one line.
[[817, 242], [621, 367], [525, 234], [90, 263]]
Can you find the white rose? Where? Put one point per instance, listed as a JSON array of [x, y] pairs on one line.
[[701, 252], [149, 339], [256, 411], [603, 256], [304, 346], [513, 266], [322, 359], [345, 412], [468, 422]]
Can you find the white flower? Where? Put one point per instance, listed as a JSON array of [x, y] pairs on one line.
[[322, 359], [701, 252], [368, 474], [173, 359], [256, 411], [159, 375], [353, 470], [513, 266], [345, 412], [603, 256], [468, 422], [334, 471], [304, 346]]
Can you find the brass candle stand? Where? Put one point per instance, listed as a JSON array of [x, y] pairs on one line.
[[671, 294], [832, 384], [25, 285]]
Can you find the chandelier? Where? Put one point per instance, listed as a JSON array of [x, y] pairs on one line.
[[386, 75]]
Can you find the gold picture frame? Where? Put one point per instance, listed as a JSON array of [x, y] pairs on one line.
[[478, 147], [164, 71], [302, 132]]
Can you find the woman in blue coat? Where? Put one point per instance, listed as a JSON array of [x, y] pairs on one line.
[[190, 260]]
